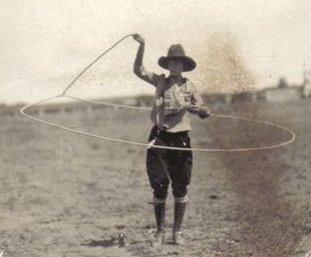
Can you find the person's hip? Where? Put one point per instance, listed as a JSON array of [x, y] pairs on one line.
[[173, 139]]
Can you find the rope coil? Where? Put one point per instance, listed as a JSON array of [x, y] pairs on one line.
[[64, 95]]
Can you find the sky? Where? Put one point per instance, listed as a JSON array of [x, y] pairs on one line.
[[45, 43]]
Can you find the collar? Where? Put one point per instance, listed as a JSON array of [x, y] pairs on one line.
[[178, 80]]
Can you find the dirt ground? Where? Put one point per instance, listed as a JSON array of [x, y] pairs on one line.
[[64, 195]]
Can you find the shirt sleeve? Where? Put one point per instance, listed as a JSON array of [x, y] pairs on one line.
[[196, 98], [141, 71]]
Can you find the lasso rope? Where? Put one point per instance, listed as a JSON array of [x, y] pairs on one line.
[[64, 95], [93, 62]]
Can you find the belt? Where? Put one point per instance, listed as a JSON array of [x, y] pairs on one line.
[[167, 135]]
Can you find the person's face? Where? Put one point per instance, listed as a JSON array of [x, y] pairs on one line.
[[176, 67]]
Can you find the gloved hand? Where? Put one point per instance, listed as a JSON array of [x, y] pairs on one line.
[[139, 38], [204, 113], [201, 111]]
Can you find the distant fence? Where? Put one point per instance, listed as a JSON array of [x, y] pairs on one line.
[[231, 98], [65, 108], [274, 95], [266, 95]]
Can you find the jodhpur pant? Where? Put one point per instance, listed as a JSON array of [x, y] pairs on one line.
[[165, 165]]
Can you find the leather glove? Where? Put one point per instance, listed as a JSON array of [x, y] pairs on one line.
[[201, 111]]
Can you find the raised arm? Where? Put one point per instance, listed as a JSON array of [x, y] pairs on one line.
[[139, 68]]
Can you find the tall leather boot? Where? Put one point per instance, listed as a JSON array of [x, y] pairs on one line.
[[179, 213], [159, 212]]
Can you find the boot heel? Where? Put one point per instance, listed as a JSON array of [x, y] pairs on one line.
[[159, 239], [178, 238]]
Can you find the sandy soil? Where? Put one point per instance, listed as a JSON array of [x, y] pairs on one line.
[[67, 195]]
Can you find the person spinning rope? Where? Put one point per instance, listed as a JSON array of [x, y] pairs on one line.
[[175, 97]]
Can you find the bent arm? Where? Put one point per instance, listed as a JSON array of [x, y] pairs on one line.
[[139, 68], [199, 106]]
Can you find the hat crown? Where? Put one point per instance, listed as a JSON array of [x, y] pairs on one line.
[[176, 51]]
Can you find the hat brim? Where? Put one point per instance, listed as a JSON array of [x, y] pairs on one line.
[[189, 63]]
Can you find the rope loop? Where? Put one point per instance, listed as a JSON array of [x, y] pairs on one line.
[[63, 94]]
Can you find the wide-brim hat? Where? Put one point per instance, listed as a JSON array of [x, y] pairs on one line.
[[176, 52]]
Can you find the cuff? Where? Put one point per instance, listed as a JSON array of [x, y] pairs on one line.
[[184, 199]]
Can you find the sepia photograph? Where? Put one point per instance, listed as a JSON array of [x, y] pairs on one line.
[[155, 128]]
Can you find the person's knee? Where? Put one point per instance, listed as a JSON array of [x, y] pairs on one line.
[[179, 190], [160, 191]]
